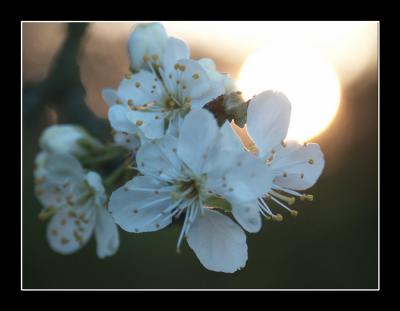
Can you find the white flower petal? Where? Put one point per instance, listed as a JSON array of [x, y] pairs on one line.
[[106, 232], [174, 126], [302, 165], [142, 88], [62, 167], [223, 152], [268, 119], [67, 232], [147, 39], [175, 50], [138, 206], [151, 124], [218, 242], [110, 96], [198, 132], [159, 158], [194, 77], [118, 116], [128, 141], [216, 76], [247, 215], [246, 179]]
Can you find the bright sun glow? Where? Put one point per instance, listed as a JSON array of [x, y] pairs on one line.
[[303, 75]]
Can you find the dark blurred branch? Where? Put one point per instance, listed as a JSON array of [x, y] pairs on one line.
[[63, 89]]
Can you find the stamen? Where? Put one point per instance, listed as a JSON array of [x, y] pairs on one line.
[[308, 197], [289, 200]]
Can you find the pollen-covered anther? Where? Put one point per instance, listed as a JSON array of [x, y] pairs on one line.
[[139, 122], [308, 197], [64, 241], [289, 200], [196, 76], [44, 214], [130, 102], [176, 66], [146, 58], [277, 217], [155, 57], [294, 213], [69, 199], [72, 214], [311, 161], [119, 101], [128, 76]]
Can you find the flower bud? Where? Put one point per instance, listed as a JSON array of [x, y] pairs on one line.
[[147, 40], [69, 139]]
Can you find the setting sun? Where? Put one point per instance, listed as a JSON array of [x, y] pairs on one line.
[[303, 75]]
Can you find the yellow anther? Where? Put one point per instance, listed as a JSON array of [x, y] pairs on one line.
[[72, 214], [174, 196], [308, 197], [294, 213], [139, 122], [277, 217], [46, 213], [155, 57], [146, 58], [182, 68], [188, 99], [119, 101], [64, 241], [267, 217], [137, 84], [128, 76], [170, 104], [195, 76], [305, 144], [130, 102], [270, 158], [176, 66], [78, 237], [311, 161], [289, 200]]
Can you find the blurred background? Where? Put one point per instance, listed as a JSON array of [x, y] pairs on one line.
[[329, 71]]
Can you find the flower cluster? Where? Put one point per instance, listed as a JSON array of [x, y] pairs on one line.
[[182, 161]]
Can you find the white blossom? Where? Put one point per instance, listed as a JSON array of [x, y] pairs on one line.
[[294, 166], [191, 174], [76, 202]]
